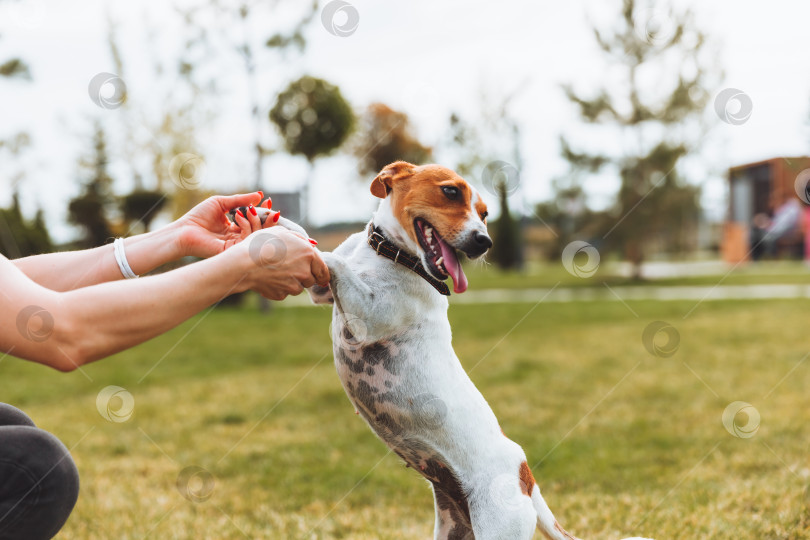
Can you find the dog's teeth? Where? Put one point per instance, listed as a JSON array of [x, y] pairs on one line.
[[439, 261]]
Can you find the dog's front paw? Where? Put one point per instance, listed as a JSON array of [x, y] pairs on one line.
[[292, 226], [321, 295]]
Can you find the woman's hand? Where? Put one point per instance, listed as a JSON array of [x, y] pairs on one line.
[[278, 263], [206, 230]]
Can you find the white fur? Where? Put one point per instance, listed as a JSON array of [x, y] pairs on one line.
[[386, 305]]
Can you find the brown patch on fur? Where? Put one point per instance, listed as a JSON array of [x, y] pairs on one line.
[[481, 208], [383, 183], [526, 479], [417, 192]]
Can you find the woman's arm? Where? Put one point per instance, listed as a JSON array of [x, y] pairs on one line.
[[68, 270], [68, 329], [202, 232]]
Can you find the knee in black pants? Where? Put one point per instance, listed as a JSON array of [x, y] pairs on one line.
[[12, 416], [40, 483]]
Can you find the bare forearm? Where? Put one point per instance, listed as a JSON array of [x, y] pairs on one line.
[[67, 330], [70, 270], [144, 308]]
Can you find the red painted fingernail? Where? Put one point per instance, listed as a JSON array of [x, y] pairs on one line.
[[252, 210], [269, 202], [261, 195], [275, 218], [313, 242], [240, 214]]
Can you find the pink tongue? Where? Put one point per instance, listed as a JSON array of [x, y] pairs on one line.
[[453, 268]]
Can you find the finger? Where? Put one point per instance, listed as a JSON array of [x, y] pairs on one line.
[[228, 202], [295, 289], [307, 282], [253, 218], [274, 295], [244, 225], [272, 219], [268, 203], [319, 270]]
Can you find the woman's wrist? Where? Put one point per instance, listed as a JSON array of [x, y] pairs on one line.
[[148, 251], [235, 268]]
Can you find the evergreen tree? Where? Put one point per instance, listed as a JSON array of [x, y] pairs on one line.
[[653, 204], [90, 209], [506, 242], [20, 237]]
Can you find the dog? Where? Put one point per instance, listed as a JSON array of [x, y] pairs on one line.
[[394, 355]]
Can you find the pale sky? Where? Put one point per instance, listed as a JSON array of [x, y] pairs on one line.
[[423, 57]]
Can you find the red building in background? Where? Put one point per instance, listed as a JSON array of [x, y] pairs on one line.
[[757, 190]]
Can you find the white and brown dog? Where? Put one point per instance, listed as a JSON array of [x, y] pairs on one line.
[[394, 354]]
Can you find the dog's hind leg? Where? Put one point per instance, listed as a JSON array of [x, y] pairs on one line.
[[451, 524]]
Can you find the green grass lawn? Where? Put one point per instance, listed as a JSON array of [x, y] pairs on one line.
[[621, 442]]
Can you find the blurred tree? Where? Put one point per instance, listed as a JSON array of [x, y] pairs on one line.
[[479, 146], [90, 208], [314, 120], [652, 203], [385, 136], [142, 205], [19, 237], [506, 248], [236, 29], [15, 68], [151, 132]]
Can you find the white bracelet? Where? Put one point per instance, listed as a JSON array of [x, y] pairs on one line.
[[121, 259]]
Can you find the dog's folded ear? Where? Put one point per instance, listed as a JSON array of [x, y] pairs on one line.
[[382, 185]]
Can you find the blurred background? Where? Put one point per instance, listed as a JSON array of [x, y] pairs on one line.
[[634, 131], [639, 323]]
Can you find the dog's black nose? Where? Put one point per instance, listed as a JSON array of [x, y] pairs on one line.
[[476, 245], [484, 242]]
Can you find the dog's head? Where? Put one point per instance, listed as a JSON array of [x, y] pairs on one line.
[[440, 213]]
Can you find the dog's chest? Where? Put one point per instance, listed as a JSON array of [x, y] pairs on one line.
[[378, 378]]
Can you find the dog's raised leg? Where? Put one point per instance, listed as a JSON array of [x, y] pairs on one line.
[[451, 524], [355, 300]]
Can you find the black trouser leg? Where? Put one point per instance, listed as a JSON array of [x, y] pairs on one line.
[[39, 483]]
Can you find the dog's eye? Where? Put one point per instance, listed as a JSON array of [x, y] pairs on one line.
[[484, 215], [450, 192]]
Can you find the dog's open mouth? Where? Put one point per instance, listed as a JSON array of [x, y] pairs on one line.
[[442, 258]]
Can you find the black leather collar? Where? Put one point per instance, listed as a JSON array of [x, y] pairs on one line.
[[385, 247]]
